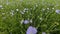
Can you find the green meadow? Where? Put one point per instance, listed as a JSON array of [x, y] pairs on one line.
[[42, 14]]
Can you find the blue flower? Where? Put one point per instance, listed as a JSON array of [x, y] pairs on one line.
[[43, 32], [31, 30], [26, 21], [58, 11]]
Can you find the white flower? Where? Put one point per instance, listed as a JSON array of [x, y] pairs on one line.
[[36, 5], [25, 10], [3, 13], [58, 11], [7, 3], [22, 12], [31, 20], [41, 18], [12, 12], [17, 9], [43, 9], [21, 21], [48, 8], [0, 6], [52, 8]]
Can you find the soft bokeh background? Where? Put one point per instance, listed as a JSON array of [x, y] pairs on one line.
[[41, 13]]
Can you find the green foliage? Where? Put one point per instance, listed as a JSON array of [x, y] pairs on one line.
[[42, 13]]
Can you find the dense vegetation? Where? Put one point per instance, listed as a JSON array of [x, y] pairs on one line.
[[41, 13]]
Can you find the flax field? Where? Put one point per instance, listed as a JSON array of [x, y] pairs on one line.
[[17, 15]]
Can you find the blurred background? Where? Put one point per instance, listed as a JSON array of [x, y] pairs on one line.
[[42, 14]]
